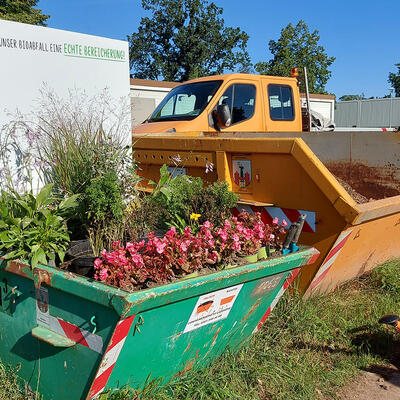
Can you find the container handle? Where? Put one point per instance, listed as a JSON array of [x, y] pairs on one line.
[[139, 322], [94, 324]]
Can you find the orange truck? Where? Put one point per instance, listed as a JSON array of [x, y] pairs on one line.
[[251, 129]]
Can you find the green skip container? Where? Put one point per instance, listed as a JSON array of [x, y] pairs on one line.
[[73, 338]]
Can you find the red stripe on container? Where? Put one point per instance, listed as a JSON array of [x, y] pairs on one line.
[[285, 285], [294, 215], [101, 381], [121, 331], [72, 332], [313, 258], [290, 279], [319, 279], [291, 213], [337, 248], [264, 318], [265, 216]]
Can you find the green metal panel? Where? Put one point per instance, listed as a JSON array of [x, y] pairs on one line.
[[162, 350], [58, 372], [158, 333]]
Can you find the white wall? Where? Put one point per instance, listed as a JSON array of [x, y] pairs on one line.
[[144, 99], [32, 56]]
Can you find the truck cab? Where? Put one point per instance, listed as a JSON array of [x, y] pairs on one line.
[[229, 103]]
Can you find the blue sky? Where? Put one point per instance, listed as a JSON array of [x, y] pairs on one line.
[[362, 35]]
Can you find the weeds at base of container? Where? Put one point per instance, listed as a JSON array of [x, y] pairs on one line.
[[126, 392], [306, 350], [10, 388]]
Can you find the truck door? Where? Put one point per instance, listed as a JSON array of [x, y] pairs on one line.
[[282, 108], [243, 105]]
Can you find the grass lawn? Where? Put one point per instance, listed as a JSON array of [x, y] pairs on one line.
[[305, 350]]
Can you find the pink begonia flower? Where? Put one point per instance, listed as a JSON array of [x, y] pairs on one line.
[[208, 235], [247, 233], [137, 259], [222, 234], [171, 233], [103, 274], [239, 227], [130, 247], [160, 247], [122, 260], [211, 242], [110, 258], [183, 247], [227, 224], [98, 263], [272, 236], [187, 230], [275, 221], [207, 224], [284, 223], [236, 246]]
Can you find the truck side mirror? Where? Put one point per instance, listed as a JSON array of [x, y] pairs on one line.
[[222, 116]]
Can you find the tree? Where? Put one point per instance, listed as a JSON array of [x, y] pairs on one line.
[[394, 80], [298, 47], [22, 11], [185, 39], [349, 97]]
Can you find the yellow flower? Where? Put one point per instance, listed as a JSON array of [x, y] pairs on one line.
[[195, 216]]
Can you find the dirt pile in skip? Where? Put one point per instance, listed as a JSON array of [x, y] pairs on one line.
[[357, 197]]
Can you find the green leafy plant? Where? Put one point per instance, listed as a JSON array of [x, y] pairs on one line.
[[105, 211], [184, 195], [104, 199], [34, 227]]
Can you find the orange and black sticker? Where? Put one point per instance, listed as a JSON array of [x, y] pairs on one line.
[[204, 307], [226, 300]]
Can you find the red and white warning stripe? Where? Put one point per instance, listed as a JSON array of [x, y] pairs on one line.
[[78, 335], [269, 213], [282, 290], [110, 356], [329, 260]]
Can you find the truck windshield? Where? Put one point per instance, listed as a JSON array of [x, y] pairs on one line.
[[185, 102]]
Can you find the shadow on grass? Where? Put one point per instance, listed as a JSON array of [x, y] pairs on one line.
[[383, 343]]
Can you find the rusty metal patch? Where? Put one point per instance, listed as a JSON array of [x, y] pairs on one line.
[[266, 285], [373, 182]]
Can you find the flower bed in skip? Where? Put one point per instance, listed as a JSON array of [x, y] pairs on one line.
[[157, 260], [90, 216]]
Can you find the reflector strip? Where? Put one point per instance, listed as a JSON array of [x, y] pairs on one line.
[[110, 357], [329, 260]]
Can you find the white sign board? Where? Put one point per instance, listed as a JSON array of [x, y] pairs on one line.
[[212, 307], [34, 57]]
